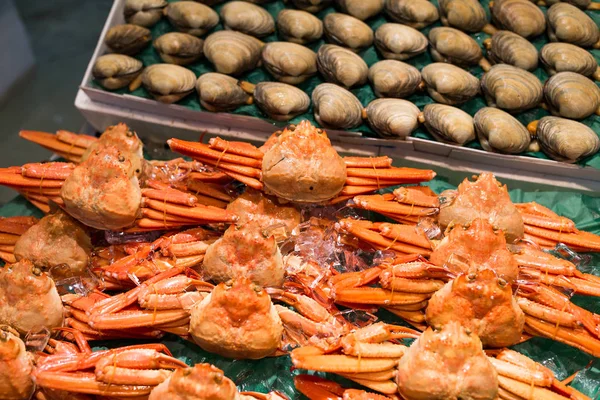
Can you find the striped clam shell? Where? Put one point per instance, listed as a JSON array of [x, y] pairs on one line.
[[567, 23], [572, 95], [341, 66], [498, 131], [506, 47], [453, 46], [511, 88], [519, 16], [336, 107], [414, 13], [466, 15], [399, 42], [565, 57], [392, 117], [449, 84], [391, 78], [448, 124], [566, 140]]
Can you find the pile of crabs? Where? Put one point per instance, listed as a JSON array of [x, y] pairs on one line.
[[252, 252]]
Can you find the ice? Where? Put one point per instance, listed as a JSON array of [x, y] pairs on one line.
[[581, 261], [359, 318], [430, 227], [37, 339]]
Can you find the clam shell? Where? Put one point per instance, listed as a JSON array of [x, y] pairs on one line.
[[336, 107], [498, 131], [449, 84], [115, 71], [506, 47], [414, 13], [179, 48], [289, 62], [448, 124], [312, 6], [391, 78], [168, 83], [583, 4], [565, 57], [361, 9], [566, 140], [280, 101], [191, 17], [247, 18], [219, 92], [399, 42], [299, 26], [466, 15], [511, 88], [572, 95], [392, 117], [127, 38], [567, 23], [347, 31], [144, 13], [453, 46], [231, 52], [519, 16], [341, 66]]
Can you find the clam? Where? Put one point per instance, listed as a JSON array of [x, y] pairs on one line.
[[247, 18], [231, 52], [564, 139], [506, 47], [347, 31], [336, 107], [127, 38], [191, 17], [455, 47], [114, 71], [392, 117], [466, 15], [144, 12], [341, 66], [391, 78], [312, 6], [361, 9], [572, 95], [179, 48], [168, 83], [583, 4], [399, 42], [511, 88], [567, 23], [279, 101], [220, 92], [519, 16], [415, 13], [449, 84], [289, 62], [565, 57], [448, 124], [498, 131], [299, 26]]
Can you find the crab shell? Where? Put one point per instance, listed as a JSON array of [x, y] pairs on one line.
[[301, 165], [237, 321], [29, 298], [16, 367], [446, 364], [203, 381]]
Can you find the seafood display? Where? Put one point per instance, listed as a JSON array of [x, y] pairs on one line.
[[285, 266]]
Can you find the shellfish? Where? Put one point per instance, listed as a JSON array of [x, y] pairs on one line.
[[341, 66], [466, 15], [168, 83], [567, 23], [191, 17], [448, 124], [564, 139], [449, 84], [114, 71], [583, 4], [345, 30], [455, 47], [361, 9], [247, 18], [289, 62], [414, 13], [572, 95], [336, 107], [312, 6], [498, 131], [511, 88], [565, 57], [127, 38], [279, 101], [298, 26], [506, 47], [391, 78], [519, 16], [145, 13], [219, 92], [179, 48], [399, 42], [392, 117], [231, 52]]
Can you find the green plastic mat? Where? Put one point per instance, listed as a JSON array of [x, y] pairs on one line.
[[365, 93], [276, 373]]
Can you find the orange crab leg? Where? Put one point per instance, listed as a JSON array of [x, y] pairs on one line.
[[17, 225], [84, 382], [251, 182], [416, 197], [548, 314], [559, 224], [545, 262], [580, 239], [171, 195], [537, 209], [388, 281], [135, 319], [162, 217], [368, 295], [413, 317], [211, 201], [142, 366], [198, 212], [379, 241], [16, 180], [238, 148], [402, 174], [312, 358], [8, 238], [8, 257], [406, 233], [355, 279], [208, 189], [194, 149], [577, 338], [380, 204], [368, 162], [355, 181], [356, 190], [53, 170], [209, 177], [67, 144]]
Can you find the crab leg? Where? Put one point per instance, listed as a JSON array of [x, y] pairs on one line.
[[84, 382], [579, 286], [208, 189], [388, 281], [417, 197], [368, 162], [201, 150], [517, 372], [406, 233], [378, 296], [198, 212], [526, 390], [312, 358], [67, 144], [547, 313], [17, 225], [239, 148], [544, 262], [316, 388], [380, 204], [216, 177], [580, 239], [579, 339], [399, 174]]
